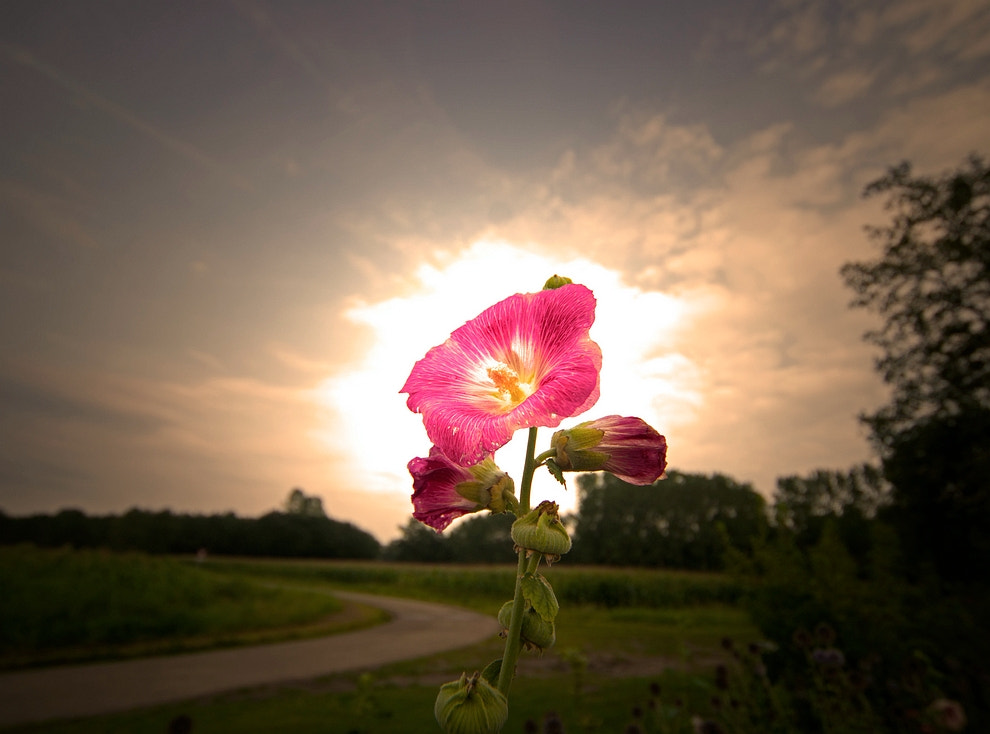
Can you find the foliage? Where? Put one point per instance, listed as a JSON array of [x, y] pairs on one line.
[[300, 503], [608, 588], [274, 534], [684, 521], [476, 539], [883, 620], [931, 286], [846, 500], [63, 604]]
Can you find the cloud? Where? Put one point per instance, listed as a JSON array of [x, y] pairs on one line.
[[844, 87], [125, 116]]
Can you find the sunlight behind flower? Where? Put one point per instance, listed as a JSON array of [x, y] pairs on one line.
[[642, 374]]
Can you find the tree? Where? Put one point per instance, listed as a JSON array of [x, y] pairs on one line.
[[420, 544], [846, 501], [683, 521], [300, 503], [931, 286]]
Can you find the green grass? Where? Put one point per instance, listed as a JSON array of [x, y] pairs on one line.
[[629, 626], [477, 586], [377, 705], [65, 605]]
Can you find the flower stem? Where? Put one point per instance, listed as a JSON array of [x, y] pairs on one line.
[[528, 470], [513, 640]]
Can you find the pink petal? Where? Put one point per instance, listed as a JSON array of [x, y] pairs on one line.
[[436, 501], [541, 338]]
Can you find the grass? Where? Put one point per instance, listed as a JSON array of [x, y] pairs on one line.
[[618, 630], [70, 606], [476, 586], [605, 704]]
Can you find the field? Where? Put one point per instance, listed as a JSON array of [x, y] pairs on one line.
[[60, 606], [618, 632]]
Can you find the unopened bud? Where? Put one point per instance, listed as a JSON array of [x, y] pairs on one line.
[[627, 447], [555, 282], [470, 705], [536, 631], [542, 531]]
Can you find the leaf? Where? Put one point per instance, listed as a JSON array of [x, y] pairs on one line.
[[492, 671], [539, 595], [556, 471]]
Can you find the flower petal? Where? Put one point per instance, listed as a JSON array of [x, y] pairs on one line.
[[526, 361], [436, 501]]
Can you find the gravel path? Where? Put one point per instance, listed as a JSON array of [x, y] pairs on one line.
[[416, 629]]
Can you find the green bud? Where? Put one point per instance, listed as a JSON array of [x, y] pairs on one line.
[[536, 631], [491, 488], [470, 705], [574, 448], [542, 531], [555, 282]]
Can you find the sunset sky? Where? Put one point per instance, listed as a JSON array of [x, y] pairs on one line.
[[228, 229]]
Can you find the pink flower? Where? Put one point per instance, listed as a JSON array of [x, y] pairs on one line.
[[629, 448], [527, 361], [443, 490]]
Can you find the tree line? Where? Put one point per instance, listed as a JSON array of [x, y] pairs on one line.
[[285, 534]]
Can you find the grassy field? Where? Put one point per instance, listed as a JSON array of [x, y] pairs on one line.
[[618, 632], [69, 606]]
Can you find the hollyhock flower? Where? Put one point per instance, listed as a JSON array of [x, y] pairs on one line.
[[629, 448], [527, 361], [443, 490]]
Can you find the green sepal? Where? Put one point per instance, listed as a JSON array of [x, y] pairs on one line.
[[492, 671], [539, 595], [554, 468]]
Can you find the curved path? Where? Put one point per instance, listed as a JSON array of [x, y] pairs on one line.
[[417, 628]]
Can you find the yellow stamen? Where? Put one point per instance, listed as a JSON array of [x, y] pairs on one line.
[[507, 382]]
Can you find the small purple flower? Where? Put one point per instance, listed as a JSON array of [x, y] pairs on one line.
[[444, 491], [629, 448]]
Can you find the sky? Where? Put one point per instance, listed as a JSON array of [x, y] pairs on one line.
[[229, 228]]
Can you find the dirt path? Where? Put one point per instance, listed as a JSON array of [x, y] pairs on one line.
[[416, 629]]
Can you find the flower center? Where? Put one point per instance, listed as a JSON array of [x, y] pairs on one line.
[[508, 384]]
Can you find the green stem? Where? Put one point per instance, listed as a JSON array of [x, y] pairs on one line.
[[528, 470], [549, 454], [513, 639]]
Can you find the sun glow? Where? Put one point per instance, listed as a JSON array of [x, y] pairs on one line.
[[642, 372]]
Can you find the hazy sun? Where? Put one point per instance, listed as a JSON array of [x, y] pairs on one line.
[[642, 373]]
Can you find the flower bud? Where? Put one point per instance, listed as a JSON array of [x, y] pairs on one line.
[[542, 531], [629, 448], [490, 487], [470, 705], [555, 282], [536, 631]]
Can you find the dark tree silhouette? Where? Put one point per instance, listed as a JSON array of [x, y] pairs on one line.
[[300, 503], [683, 521], [931, 287]]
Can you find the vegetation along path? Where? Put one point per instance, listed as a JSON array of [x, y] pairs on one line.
[[416, 628]]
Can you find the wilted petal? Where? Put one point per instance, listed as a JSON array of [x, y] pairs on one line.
[[526, 361], [443, 490]]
